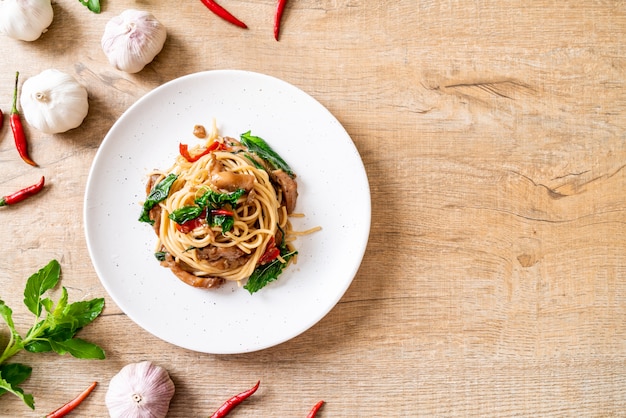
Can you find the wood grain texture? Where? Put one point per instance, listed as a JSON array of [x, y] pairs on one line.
[[494, 138]]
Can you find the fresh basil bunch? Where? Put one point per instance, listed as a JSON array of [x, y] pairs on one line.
[[55, 329]]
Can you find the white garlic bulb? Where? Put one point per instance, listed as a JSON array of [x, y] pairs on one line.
[[140, 390], [25, 20], [54, 101], [132, 40]]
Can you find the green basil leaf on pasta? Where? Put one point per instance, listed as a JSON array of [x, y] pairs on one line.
[[267, 273], [185, 214], [226, 222], [158, 194], [217, 200], [258, 146]]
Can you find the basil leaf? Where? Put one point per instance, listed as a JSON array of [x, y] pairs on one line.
[[254, 162], [7, 386], [216, 200], [60, 332], [38, 346], [160, 255], [158, 194], [81, 313], [225, 221], [78, 348], [185, 214], [261, 148], [14, 374], [93, 5], [7, 315], [39, 283], [267, 273]]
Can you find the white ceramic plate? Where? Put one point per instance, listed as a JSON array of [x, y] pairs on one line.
[[333, 193]]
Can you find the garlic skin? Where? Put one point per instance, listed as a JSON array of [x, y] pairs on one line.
[[140, 390], [25, 20], [132, 40], [54, 102]]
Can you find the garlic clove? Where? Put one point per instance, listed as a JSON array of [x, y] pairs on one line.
[[140, 390], [132, 40], [25, 20], [54, 102]]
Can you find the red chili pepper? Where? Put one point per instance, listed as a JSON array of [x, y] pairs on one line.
[[316, 408], [223, 13], [279, 14], [184, 151], [190, 225], [223, 212], [187, 227], [234, 401], [23, 194], [18, 129], [1, 118], [69, 407], [271, 252]]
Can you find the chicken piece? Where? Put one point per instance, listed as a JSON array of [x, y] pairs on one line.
[[223, 258], [189, 278], [227, 180], [289, 187]]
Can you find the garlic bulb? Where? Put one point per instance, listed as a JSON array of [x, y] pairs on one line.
[[132, 40], [140, 390], [54, 102], [25, 20]]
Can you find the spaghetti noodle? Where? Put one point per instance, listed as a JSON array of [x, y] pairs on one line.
[[221, 213]]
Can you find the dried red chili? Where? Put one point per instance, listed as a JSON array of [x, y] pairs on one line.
[[316, 408], [18, 130], [23, 193], [234, 401], [223, 13], [71, 405], [278, 16]]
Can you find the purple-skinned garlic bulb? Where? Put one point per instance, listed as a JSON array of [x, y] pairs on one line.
[[132, 40], [140, 390]]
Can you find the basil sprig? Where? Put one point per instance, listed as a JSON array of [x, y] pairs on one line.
[[53, 332]]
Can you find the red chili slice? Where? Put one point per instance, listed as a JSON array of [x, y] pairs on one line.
[[184, 151], [271, 252]]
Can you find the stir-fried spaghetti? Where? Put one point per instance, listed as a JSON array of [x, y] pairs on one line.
[[221, 212]]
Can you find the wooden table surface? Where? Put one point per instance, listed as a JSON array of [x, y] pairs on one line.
[[494, 138]]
